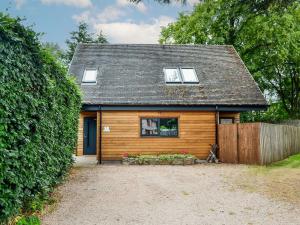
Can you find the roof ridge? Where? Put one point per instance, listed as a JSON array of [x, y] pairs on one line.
[[120, 44]]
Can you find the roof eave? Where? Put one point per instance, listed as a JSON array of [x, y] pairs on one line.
[[220, 108]]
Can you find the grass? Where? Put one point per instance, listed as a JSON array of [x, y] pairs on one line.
[[279, 180], [32, 213], [290, 162], [35, 209]]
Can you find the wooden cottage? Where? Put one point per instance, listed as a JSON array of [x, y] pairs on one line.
[[150, 98]]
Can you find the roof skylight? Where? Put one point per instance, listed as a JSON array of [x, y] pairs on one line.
[[189, 75], [90, 76], [172, 75], [180, 75]]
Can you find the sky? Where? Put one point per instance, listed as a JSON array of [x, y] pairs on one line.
[[119, 20]]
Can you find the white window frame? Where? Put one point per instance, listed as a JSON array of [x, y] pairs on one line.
[[182, 81], [173, 82], [84, 74], [189, 82]]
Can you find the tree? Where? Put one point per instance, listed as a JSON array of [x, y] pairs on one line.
[[265, 33], [256, 6], [82, 36], [55, 51]]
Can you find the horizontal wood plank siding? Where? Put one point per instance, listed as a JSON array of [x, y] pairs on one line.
[[196, 133]]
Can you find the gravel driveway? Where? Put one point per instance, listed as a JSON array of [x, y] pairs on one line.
[[199, 194]]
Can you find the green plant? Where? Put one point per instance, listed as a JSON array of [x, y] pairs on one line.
[[132, 156], [165, 157], [265, 34], [290, 162], [39, 110], [30, 220], [162, 158], [275, 113]]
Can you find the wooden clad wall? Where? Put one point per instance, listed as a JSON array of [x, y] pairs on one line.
[[79, 150], [196, 133]]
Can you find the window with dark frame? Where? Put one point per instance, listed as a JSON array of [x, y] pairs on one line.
[[226, 120], [159, 127]]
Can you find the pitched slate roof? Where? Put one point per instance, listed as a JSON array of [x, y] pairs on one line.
[[132, 74]]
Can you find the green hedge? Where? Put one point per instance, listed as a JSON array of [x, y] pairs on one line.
[[39, 109]]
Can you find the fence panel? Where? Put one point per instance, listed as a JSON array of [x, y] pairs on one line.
[[248, 143], [227, 139], [278, 142]]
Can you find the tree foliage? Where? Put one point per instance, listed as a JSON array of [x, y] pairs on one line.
[[254, 6], [56, 51], [82, 36], [265, 33], [39, 109], [275, 113]]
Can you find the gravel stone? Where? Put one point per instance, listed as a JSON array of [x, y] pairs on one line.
[[198, 194]]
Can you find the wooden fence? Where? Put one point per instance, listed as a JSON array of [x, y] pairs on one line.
[[257, 143]]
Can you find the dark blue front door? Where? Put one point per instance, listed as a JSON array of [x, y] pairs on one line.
[[89, 141]]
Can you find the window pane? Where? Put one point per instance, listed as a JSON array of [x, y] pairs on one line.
[[172, 75], [226, 120], [149, 127], [89, 76], [168, 127], [189, 75]]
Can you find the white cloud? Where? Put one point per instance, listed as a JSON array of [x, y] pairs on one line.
[[109, 22], [19, 3], [83, 17], [110, 13], [193, 2], [188, 2], [76, 3], [123, 2], [130, 32], [140, 6]]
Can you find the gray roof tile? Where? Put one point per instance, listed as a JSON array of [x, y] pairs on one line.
[[133, 75]]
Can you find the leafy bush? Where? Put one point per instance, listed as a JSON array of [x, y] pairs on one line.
[[39, 108], [30, 220], [274, 114], [148, 159]]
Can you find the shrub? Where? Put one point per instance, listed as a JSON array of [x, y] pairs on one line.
[[39, 108], [158, 159], [30, 220]]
